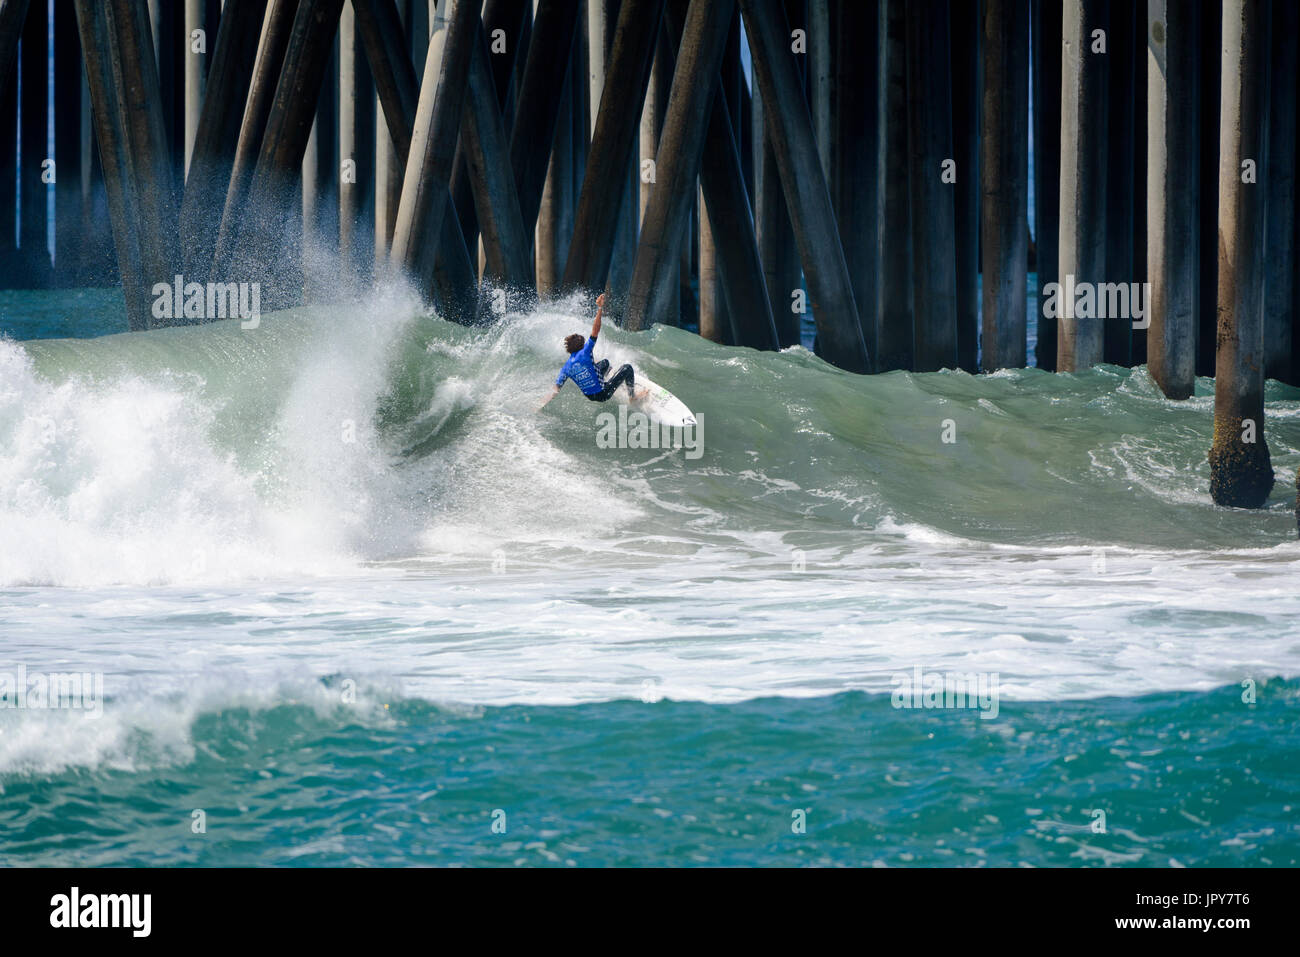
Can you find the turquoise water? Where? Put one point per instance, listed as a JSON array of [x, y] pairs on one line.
[[1183, 779], [350, 596]]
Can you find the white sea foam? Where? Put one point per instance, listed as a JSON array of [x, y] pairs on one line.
[[212, 520]]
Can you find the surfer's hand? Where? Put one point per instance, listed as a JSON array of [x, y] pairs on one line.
[[600, 301]]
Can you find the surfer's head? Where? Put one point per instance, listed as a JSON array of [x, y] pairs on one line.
[[574, 342]]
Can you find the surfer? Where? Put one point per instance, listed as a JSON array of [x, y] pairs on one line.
[[588, 375]]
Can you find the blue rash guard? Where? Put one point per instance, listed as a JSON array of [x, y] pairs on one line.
[[582, 370]]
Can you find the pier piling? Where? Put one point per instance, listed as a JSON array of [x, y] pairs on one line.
[[1241, 474], [1082, 251], [1004, 171], [786, 117], [1173, 261]]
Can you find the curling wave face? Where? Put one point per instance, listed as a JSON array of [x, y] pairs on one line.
[[367, 490]]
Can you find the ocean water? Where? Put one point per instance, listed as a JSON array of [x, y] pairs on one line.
[[353, 601]]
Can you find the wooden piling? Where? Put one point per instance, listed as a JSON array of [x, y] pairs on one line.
[[1279, 230], [486, 151], [533, 131], [653, 111], [219, 128], [276, 27], [433, 146], [1173, 261], [1122, 160], [34, 220], [552, 232], [1207, 236], [1083, 181], [320, 178], [966, 50], [289, 122], [816, 232], [934, 252], [397, 88], [10, 273], [695, 81], [195, 75], [1241, 474], [894, 342], [356, 145], [775, 235], [596, 230], [602, 17], [1004, 169], [13, 14], [120, 71], [1046, 29], [68, 237]]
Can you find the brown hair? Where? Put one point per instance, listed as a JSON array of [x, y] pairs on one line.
[[574, 342]]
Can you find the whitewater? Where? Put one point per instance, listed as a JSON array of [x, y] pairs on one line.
[[353, 599]]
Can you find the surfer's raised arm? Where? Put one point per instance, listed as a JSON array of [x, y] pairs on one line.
[[590, 376], [600, 309]]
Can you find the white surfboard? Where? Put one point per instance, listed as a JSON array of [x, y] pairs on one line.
[[656, 402]]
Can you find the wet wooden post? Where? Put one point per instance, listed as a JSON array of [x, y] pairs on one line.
[[486, 151], [934, 252], [501, 26], [118, 55], [839, 333], [1241, 474], [12, 15], [320, 178], [33, 240], [1046, 29], [277, 174], [746, 308], [219, 128], [602, 18], [433, 146], [1083, 181], [383, 30], [1122, 160], [552, 244], [504, 22], [1279, 235], [1004, 168], [533, 131], [652, 120], [1207, 236], [1138, 17], [195, 74], [276, 27], [1173, 119], [966, 109], [894, 342], [356, 145], [819, 77], [455, 280], [97, 265], [715, 322], [68, 237], [695, 81], [599, 216]]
